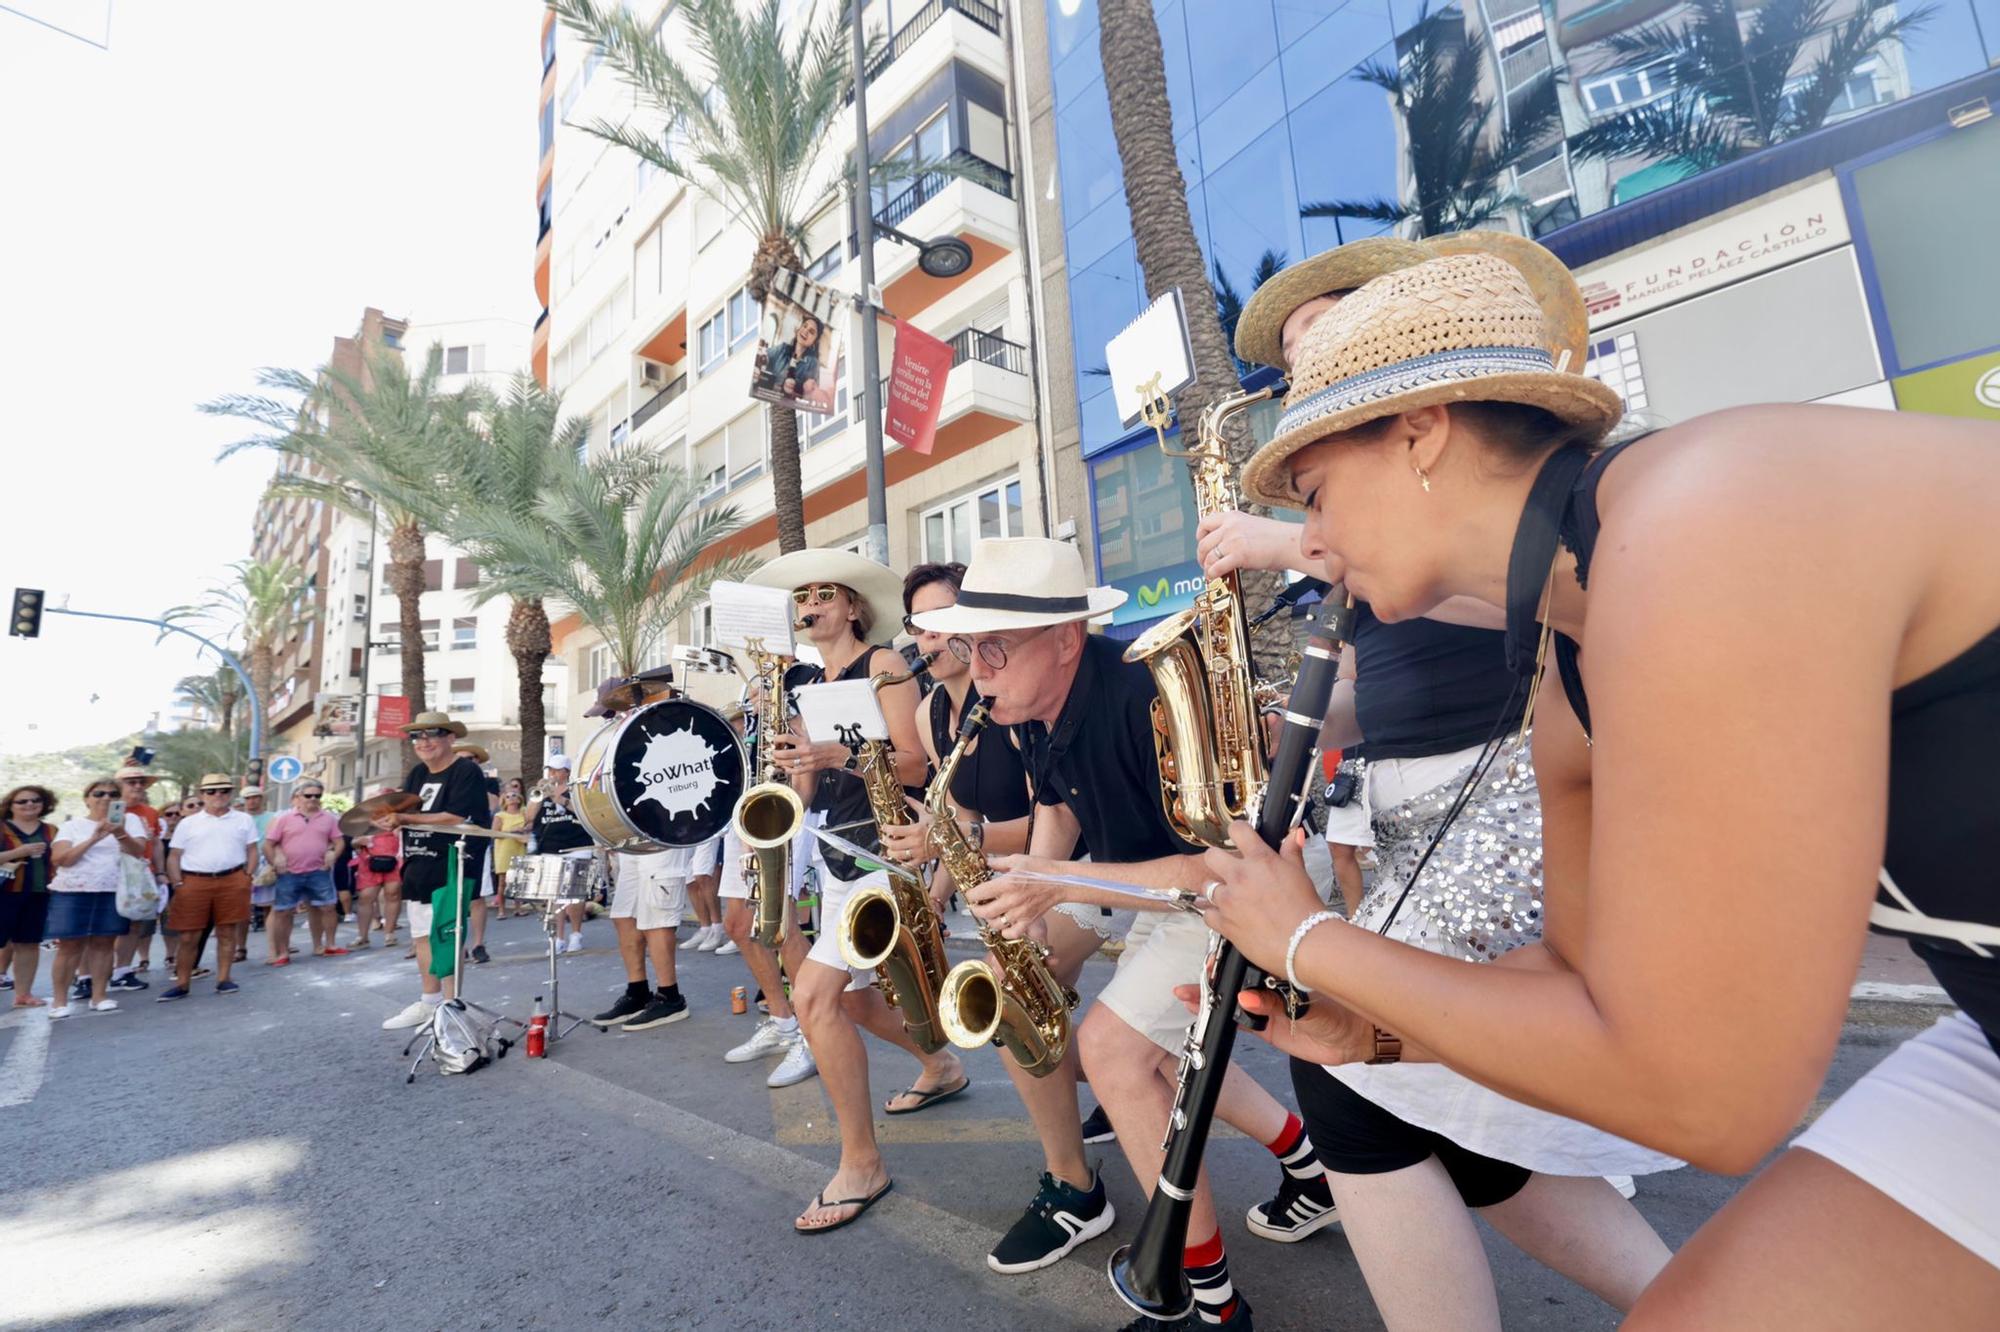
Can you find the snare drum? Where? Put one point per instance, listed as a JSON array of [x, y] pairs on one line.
[[663, 776], [550, 878]]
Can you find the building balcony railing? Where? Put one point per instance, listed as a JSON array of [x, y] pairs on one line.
[[968, 166], [985, 15], [651, 407], [990, 348]]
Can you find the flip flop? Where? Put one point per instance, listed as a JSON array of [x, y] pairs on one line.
[[819, 1200], [30, 1001], [927, 1099]]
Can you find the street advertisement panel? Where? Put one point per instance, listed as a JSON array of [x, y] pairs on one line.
[[798, 348]]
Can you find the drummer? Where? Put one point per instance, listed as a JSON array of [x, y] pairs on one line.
[[555, 830], [489, 869], [649, 892]]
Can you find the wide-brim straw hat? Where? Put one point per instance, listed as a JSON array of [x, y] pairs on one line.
[[1021, 583], [424, 721], [477, 753], [1259, 328], [147, 777], [877, 585], [210, 779], [1462, 328]]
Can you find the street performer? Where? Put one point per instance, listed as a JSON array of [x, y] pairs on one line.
[[839, 600], [1084, 717], [450, 789]]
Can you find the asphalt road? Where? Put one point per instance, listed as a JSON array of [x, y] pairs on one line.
[[258, 1162]]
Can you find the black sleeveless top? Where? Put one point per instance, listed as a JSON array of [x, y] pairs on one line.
[[557, 829], [1423, 687], [1938, 885], [992, 779], [839, 794]]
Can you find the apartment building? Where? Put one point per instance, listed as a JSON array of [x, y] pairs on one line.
[[649, 330]]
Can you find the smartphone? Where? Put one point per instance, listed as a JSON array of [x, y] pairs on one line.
[[117, 815]]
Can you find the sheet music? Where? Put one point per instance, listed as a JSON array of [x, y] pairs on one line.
[[744, 612], [1154, 344], [843, 710]]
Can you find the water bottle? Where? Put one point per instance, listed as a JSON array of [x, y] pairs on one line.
[[538, 1031]]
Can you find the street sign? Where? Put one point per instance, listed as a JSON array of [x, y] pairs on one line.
[[285, 769]]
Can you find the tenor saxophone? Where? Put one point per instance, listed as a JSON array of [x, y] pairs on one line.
[[769, 815], [1014, 1000], [893, 930], [1206, 731]]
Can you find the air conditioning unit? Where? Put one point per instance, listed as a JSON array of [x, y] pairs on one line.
[[653, 374]]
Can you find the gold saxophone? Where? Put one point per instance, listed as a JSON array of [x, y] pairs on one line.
[[893, 930], [768, 815], [1014, 1000], [1206, 730]]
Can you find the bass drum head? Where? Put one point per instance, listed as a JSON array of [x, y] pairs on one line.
[[676, 770]]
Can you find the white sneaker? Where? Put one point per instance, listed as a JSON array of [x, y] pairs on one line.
[[766, 1040], [58, 1011], [105, 1006], [575, 943], [798, 1065], [695, 940], [713, 938], [1625, 1184], [728, 947], [415, 1015]]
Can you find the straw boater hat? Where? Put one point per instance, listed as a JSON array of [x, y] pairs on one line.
[[212, 779], [1021, 583], [875, 584], [133, 771], [1260, 326], [425, 721], [1463, 328], [477, 753]]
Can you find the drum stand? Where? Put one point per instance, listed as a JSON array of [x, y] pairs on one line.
[[425, 1037], [551, 910]]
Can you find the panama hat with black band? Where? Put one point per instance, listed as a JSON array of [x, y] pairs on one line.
[[1457, 329], [877, 586], [1021, 583]]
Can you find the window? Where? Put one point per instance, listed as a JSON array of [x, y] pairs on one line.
[[824, 267], [388, 638], [951, 527], [746, 447], [470, 360], [466, 574], [1624, 89], [742, 317], [710, 468], [429, 629], [597, 666], [713, 343], [464, 631], [461, 695], [819, 428], [361, 608], [433, 575], [928, 144], [389, 689]]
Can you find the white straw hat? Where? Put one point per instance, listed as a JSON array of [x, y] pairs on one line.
[[876, 584], [1021, 583]]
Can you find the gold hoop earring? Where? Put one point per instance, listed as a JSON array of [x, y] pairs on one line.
[[1424, 478]]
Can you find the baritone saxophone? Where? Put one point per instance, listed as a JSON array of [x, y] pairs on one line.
[[1013, 1000], [893, 930]]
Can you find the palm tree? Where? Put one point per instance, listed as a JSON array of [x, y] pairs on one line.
[[374, 445], [1457, 155], [625, 540], [1728, 94], [1142, 122], [504, 473], [259, 603], [1229, 302], [185, 757], [218, 695]]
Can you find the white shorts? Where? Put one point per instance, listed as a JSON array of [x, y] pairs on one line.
[[833, 895], [420, 919], [649, 899], [1351, 824], [1165, 949], [1923, 1127]]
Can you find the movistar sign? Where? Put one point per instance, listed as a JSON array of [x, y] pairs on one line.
[[1157, 592]]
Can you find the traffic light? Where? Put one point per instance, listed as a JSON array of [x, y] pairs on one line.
[[26, 621]]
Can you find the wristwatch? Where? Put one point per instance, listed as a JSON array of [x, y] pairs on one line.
[[976, 835], [1388, 1048]]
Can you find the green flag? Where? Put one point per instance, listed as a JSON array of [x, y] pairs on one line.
[[444, 913]]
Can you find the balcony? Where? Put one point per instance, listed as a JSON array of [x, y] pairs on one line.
[[988, 349], [979, 12], [651, 407], [975, 204], [932, 183]]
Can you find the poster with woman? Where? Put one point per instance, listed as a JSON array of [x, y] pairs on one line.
[[798, 352]]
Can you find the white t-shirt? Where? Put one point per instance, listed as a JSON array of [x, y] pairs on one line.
[[97, 870], [212, 845]]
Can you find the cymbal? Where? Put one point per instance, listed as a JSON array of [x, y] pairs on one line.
[[460, 830], [359, 821]]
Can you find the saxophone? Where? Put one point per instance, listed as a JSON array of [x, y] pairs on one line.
[[893, 930], [1206, 729], [768, 815], [1013, 1001]]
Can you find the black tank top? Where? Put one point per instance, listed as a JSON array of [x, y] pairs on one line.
[[1424, 688], [557, 829], [1938, 887], [992, 780]]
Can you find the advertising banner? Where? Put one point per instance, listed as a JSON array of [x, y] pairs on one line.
[[798, 350], [917, 373], [392, 714]]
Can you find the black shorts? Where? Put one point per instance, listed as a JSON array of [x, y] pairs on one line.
[[23, 917], [1354, 1136]]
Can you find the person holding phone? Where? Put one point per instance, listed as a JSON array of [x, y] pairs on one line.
[[83, 906]]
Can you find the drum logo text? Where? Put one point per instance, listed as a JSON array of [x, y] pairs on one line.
[[678, 772]]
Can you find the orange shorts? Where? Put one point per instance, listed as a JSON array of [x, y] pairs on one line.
[[203, 900]]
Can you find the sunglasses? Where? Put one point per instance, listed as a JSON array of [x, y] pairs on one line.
[[429, 733], [217, 790], [309, 795], [822, 593], [100, 795], [29, 800], [992, 651]]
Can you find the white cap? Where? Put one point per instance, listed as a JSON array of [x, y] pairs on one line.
[[559, 761]]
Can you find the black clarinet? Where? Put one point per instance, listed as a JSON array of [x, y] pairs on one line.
[[1148, 1273]]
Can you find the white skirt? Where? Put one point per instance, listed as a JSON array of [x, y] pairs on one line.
[[1480, 896]]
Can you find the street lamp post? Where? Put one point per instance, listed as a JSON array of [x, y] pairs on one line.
[[864, 236]]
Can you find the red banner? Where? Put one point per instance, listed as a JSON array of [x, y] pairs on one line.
[[916, 389], [392, 714]]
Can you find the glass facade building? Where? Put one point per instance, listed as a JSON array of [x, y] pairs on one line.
[[1302, 124]]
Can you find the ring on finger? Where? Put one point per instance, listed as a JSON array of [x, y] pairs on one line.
[[1210, 891]]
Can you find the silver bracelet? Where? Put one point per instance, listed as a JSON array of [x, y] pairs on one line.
[[1306, 927]]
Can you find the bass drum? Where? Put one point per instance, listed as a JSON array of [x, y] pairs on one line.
[[663, 776]]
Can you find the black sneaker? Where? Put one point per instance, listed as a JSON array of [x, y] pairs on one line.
[[1301, 1207], [479, 953], [1238, 1321], [81, 988], [1097, 1127], [627, 1007], [663, 1009], [128, 982], [1060, 1218], [168, 996]]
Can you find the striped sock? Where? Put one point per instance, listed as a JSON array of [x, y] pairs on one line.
[[1208, 1272], [1294, 1150]]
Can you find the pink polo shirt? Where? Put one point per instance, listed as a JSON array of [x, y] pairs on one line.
[[304, 839]]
